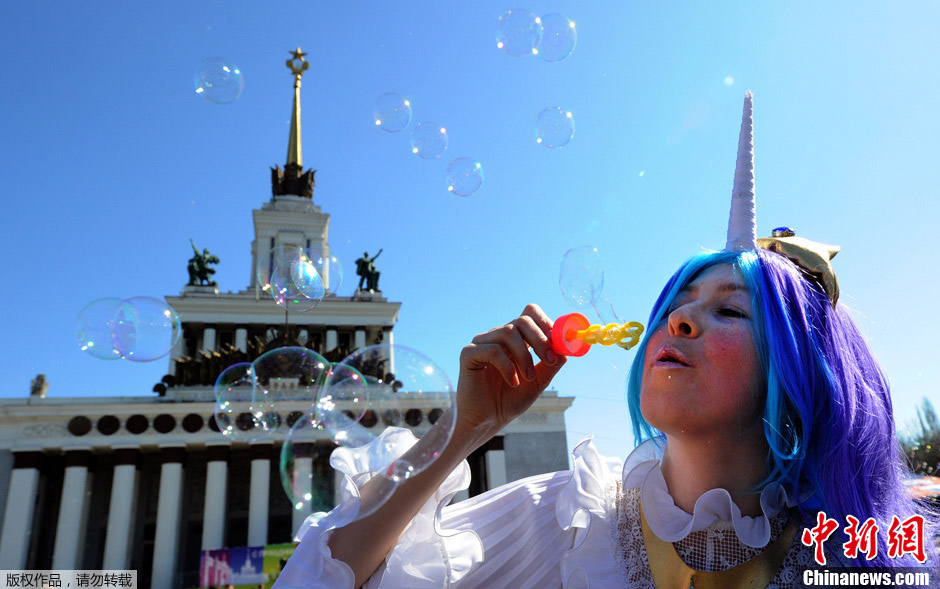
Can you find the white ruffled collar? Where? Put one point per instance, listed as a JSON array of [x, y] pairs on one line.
[[642, 470]]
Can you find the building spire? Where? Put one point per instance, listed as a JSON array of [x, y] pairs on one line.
[[292, 179], [297, 65]]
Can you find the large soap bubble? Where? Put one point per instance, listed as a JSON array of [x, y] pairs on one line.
[[93, 328], [145, 329], [582, 276], [288, 372], [396, 386], [236, 413], [139, 329]]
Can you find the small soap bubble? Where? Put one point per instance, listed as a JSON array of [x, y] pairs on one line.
[[93, 328], [464, 176], [582, 276], [392, 112], [218, 80], [641, 174], [518, 32], [558, 37], [554, 127], [729, 80], [428, 140]]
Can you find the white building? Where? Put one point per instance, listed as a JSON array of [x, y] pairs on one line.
[[147, 483]]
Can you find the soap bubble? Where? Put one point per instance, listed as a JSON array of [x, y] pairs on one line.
[[407, 388], [337, 413], [558, 37], [518, 32], [236, 413], [219, 80], [289, 294], [554, 127], [300, 278], [144, 329], [328, 268], [279, 256], [464, 176], [392, 112], [605, 311], [139, 329], [288, 372], [582, 276], [93, 328], [304, 466], [428, 140], [307, 279]]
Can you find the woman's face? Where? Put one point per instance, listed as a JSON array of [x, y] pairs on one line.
[[701, 374]]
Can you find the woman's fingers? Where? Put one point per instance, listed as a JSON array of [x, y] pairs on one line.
[[510, 337], [478, 356], [531, 330]]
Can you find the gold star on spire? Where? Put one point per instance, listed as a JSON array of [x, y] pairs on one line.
[[297, 64]]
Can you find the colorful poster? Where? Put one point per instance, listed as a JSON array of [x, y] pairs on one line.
[[214, 569], [275, 557], [246, 563]]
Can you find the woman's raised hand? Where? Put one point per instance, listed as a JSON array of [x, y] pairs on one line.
[[498, 379]]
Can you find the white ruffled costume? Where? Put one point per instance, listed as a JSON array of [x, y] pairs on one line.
[[578, 528]]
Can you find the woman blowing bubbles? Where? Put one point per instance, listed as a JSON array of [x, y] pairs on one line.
[[757, 405]]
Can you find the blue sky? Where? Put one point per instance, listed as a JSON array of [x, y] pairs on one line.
[[111, 163]]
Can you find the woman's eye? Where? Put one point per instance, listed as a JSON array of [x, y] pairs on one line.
[[732, 312]]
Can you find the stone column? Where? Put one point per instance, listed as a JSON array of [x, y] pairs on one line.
[[241, 339], [331, 340], [303, 471], [213, 511], [18, 515], [388, 338], [359, 340], [208, 339], [169, 504], [260, 455], [495, 463], [120, 513], [69, 527]]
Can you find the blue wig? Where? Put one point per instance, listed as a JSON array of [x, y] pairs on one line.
[[827, 417]]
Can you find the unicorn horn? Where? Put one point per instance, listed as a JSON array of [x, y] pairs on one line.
[[742, 224]]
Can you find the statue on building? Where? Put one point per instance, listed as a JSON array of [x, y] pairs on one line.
[[38, 386], [367, 273], [200, 274]]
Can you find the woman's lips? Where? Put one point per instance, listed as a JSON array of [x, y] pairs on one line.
[[669, 357]]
